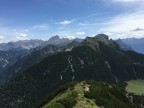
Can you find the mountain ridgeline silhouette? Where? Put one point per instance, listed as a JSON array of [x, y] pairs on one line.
[[95, 58], [17, 59]]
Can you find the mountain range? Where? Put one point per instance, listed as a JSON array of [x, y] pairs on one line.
[[12, 51], [135, 43], [34, 56], [48, 67], [16, 59]]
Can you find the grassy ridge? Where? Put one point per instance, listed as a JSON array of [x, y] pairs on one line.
[[99, 95], [71, 98]]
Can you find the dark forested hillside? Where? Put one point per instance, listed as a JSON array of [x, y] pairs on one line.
[[96, 58], [21, 60]]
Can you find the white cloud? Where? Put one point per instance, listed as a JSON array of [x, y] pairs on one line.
[[108, 33], [65, 22], [2, 39], [125, 26], [86, 23], [41, 26], [127, 0], [138, 29], [83, 23], [124, 22], [80, 33], [26, 30], [129, 34], [21, 36], [70, 37]]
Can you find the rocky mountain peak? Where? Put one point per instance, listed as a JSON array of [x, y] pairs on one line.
[[54, 38], [102, 37], [94, 40]]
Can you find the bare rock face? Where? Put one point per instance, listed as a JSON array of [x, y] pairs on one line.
[[102, 37], [56, 40]]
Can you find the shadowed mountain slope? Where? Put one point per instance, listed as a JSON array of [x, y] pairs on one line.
[[96, 58]]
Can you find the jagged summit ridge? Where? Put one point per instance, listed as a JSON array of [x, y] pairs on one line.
[[56, 40], [102, 37], [56, 37], [23, 44], [99, 37]]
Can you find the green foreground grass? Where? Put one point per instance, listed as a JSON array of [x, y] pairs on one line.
[[135, 86]]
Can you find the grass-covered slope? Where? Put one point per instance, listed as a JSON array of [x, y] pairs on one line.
[[135, 87], [95, 59], [97, 95]]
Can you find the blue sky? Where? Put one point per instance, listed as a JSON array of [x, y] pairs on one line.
[[41, 19]]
